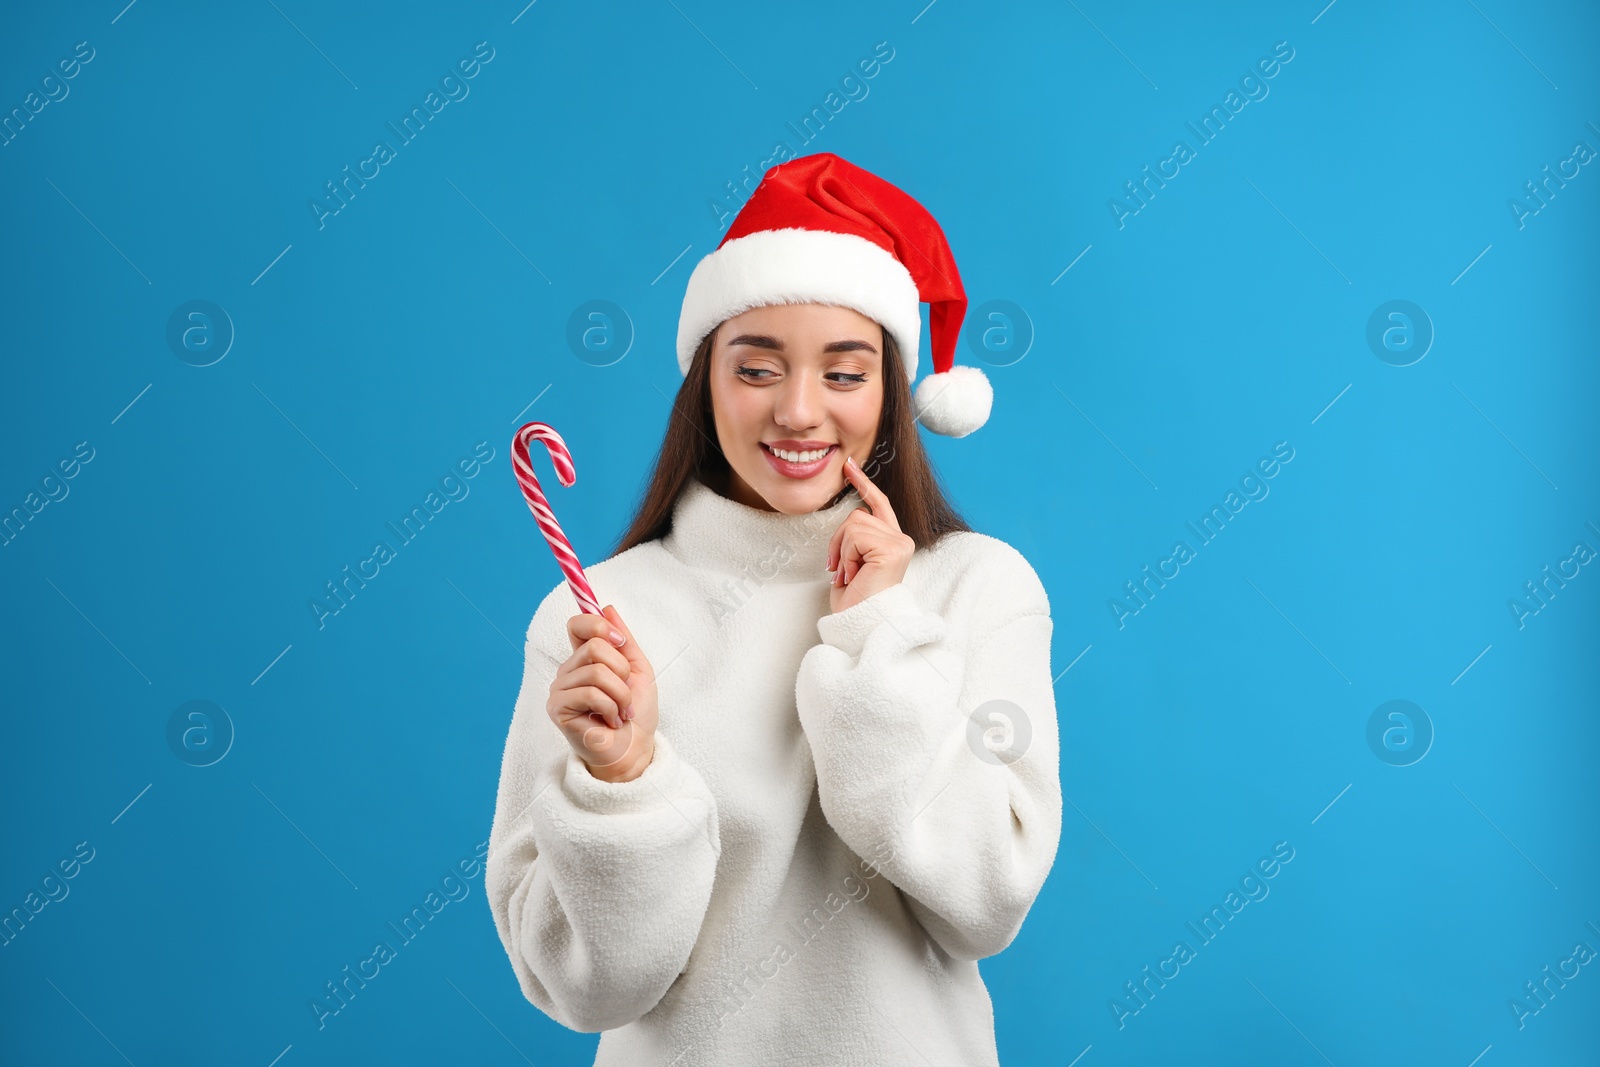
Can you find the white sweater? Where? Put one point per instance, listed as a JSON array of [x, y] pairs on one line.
[[824, 844]]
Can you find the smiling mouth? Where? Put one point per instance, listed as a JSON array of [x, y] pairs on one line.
[[803, 458], [789, 468]]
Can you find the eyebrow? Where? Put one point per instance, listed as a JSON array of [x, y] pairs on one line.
[[756, 340]]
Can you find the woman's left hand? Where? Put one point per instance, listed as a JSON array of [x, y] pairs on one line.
[[868, 553]]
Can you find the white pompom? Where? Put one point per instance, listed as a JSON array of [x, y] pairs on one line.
[[956, 402]]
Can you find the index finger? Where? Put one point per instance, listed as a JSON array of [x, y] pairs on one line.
[[875, 498], [584, 626]]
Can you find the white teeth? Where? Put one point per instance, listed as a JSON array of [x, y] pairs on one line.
[[800, 457]]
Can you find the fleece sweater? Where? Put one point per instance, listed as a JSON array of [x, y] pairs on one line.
[[828, 837]]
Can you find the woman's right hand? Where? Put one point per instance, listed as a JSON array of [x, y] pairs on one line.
[[603, 698]]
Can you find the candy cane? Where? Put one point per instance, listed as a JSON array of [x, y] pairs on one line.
[[541, 510]]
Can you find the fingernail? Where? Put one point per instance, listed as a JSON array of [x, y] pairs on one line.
[[627, 713], [617, 638], [851, 460]]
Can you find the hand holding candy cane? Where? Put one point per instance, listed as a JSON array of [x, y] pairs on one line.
[[603, 698]]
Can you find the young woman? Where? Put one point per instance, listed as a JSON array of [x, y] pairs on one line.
[[774, 805]]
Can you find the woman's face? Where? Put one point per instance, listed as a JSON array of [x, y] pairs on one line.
[[806, 380]]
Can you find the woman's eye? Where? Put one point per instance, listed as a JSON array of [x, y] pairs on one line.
[[760, 374]]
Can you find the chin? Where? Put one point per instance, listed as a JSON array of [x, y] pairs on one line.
[[798, 499]]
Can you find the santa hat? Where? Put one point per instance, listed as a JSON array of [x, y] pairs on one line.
[[820, 230]]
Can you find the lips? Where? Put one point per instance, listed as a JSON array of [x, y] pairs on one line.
[[798, 470]]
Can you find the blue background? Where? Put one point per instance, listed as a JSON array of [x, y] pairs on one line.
[[371, 353]]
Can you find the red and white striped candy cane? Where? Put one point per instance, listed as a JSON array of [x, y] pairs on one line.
[[541, 510]]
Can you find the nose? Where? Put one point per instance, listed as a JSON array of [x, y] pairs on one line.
[[800, 404]]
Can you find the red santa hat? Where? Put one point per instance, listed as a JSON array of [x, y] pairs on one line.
[[820, 230]]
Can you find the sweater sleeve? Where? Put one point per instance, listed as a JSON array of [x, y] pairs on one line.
[[598, 889], [897, 705]]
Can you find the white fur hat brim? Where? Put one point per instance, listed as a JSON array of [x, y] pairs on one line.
[[796, 266]]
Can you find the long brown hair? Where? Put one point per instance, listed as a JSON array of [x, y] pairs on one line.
[[898, 465]]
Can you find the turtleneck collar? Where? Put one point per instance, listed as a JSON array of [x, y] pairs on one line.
[[718, 533]]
